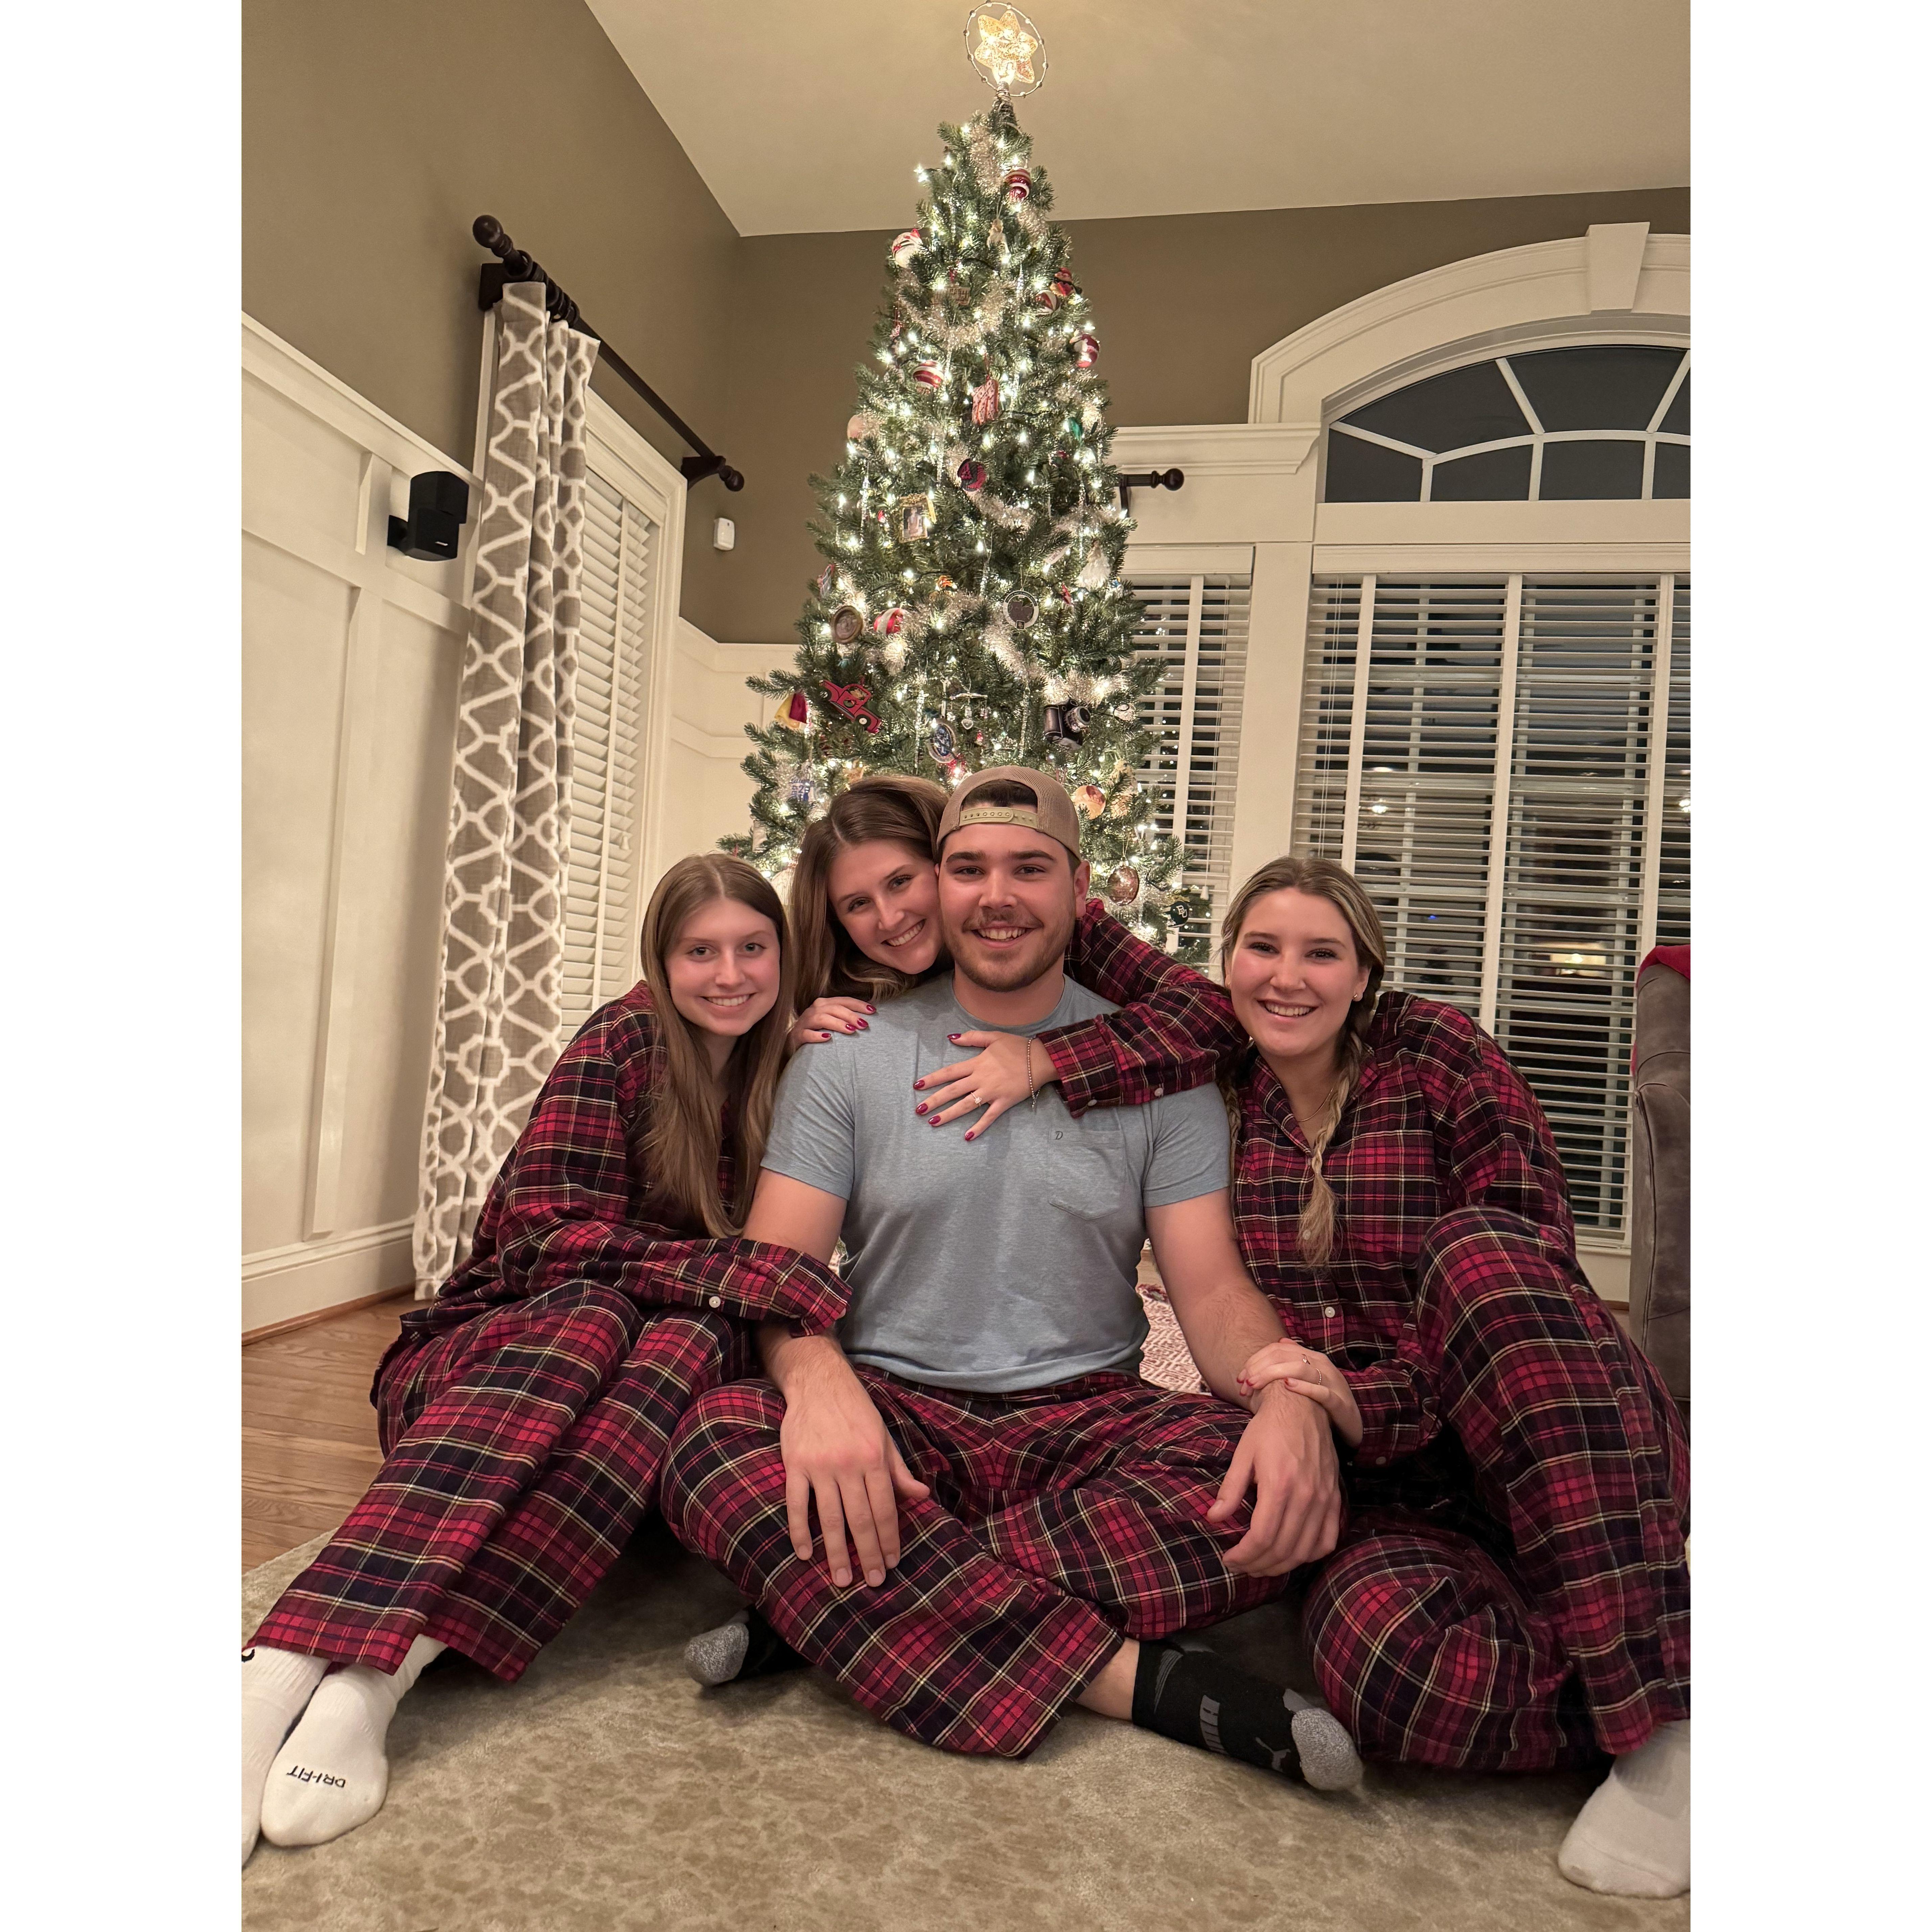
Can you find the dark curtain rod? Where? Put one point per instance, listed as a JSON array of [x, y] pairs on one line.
[[513, 265]]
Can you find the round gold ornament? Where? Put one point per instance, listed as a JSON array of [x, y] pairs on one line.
[[847, 624], [1124, 887]]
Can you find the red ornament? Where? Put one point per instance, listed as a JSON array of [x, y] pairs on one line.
[[796, 714], [1066, 593], [855, 700], [1018, 183], [889, 623], [1086, 351], [905, 245], [1063, 284], [972, 476], [1047, 299], [986, 401], [928, 375]]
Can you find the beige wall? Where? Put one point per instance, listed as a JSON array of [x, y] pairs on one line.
[[373, 133], [1182, 305]]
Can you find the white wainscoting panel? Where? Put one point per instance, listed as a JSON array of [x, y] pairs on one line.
[[351, 654]]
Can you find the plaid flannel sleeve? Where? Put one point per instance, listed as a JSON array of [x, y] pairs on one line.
[[1174, 1029], [1495, 1151], [560, 1210], [1397, 1401], [1500, 1152]]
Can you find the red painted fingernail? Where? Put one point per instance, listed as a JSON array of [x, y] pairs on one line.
[[919, 1086], [864, 1026], [922, 1107], [935, 1121], [969, 1134], [953, 1036], [851, 1029], [871, 1009]]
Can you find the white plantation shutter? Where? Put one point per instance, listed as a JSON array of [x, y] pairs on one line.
[[600, 916], [1435, 713], [1197, 627]]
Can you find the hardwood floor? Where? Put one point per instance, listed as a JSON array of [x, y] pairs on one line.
[[308, 1434]]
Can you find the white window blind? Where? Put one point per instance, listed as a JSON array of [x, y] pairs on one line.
[[601, 913], [1483, 754], [1197, 627]]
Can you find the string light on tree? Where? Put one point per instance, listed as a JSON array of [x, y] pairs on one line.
[[969, 610]]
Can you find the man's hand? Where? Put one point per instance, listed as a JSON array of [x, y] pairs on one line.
[[1286, 1456], [1309, 1373], [837, 1454]]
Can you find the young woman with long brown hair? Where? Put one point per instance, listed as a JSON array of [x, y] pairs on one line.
[[1510, 1592], [524, 1412]]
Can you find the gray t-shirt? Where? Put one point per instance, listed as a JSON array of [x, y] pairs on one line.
[[1007, 1263]]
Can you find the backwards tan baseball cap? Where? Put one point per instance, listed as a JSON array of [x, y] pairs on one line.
[[1054, 815]]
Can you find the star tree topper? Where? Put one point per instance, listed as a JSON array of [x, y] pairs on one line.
[[1004, 56]]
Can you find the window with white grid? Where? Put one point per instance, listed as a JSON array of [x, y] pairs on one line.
[[601, 912], [1504, 761], [1197, 628]]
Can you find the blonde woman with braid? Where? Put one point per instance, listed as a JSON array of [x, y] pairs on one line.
[[1510, 1592]]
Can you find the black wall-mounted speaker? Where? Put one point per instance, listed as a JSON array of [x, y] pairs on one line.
[[439, 507]]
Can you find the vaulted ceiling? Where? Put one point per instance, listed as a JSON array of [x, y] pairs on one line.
[[806, 116]]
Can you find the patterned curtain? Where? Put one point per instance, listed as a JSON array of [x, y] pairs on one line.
[[497, 1006]]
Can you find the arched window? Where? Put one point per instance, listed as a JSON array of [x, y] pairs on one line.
[[1596, 422], [1467, 663]]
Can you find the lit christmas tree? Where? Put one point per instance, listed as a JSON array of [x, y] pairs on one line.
[[969, 612]]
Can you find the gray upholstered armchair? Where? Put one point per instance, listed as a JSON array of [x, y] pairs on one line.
[[1660, 1283]]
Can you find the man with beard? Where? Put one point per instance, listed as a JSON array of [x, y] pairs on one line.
[[1029, 1519]]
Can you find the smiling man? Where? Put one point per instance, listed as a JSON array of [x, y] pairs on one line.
[[1011, 1519]]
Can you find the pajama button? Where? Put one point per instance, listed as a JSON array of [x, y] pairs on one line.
[[1159, 1091], [1329, 1312], [718, 1301]]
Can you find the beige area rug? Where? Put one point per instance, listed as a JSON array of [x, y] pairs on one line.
[[606, 1792]]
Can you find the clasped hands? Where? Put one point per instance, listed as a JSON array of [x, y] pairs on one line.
[[840, 1458]]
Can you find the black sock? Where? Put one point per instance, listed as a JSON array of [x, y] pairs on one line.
[[1197, 1698], [765, 1652]]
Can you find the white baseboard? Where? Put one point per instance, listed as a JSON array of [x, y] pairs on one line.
[[278, 1284]]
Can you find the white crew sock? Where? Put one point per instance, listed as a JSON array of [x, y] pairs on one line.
[[1633, 1837], [333, 1774], [275, 1686]]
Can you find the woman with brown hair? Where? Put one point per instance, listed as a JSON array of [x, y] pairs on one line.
[[524, 1412], [1510, 1591]]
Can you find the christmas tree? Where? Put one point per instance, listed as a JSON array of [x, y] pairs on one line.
[[969, 612]]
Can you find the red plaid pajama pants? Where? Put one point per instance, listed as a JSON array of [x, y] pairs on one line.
[[1516, 1597], [522, 1449], [1060, 1519]]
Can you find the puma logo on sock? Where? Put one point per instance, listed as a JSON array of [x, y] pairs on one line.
[[1211, 1724], [308, 1777]]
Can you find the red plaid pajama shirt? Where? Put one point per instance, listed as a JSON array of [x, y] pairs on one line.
[[524, 1413], [1509, 1592]]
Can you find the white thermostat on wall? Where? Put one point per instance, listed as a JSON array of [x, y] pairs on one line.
[[724, 534]]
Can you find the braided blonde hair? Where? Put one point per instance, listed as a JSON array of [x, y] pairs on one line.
[[1321, 878]]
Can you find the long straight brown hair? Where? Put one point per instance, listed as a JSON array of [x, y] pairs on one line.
[[684, 1133], [902, 810], [1321, 879]]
